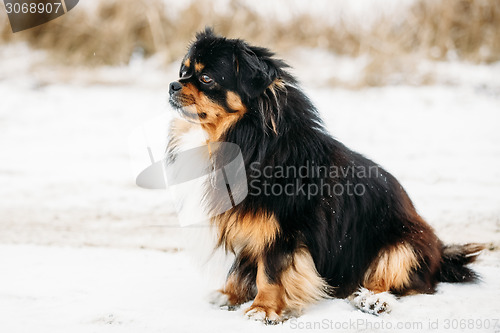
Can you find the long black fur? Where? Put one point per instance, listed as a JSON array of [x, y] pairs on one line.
[[344, 233]]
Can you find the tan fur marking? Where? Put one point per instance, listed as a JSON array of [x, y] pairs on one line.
[[273, 123], [277, 84], [391, 269], [270, 297], [217, 121], [188, 94], [187, 62], [215, 126], [251, 233], [302, 283], [234, 102], [219, 126], [198, 67], [205, 104]]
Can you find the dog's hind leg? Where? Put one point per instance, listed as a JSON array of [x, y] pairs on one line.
[[390, 271]]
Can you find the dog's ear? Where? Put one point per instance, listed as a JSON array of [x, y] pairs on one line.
[[255, 70]]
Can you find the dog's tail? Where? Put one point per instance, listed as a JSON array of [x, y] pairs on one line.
[[454, 260]]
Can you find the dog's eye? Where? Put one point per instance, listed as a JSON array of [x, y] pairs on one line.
[[206, 79], [183, 73]]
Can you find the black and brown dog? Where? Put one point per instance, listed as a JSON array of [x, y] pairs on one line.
[[299, 237]]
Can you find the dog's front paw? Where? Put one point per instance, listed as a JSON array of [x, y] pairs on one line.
[[222, 300], [369, 302], [264, 314]]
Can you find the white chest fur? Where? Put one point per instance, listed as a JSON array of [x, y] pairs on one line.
[[200, 237]]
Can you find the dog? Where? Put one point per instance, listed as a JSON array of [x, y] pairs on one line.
[[319, 220]]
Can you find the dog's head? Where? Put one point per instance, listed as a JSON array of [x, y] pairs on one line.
[[220, 80]]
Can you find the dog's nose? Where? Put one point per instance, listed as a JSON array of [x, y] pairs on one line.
[[175, 86]]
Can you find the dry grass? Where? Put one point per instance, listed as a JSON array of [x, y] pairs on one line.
[[435, 29]]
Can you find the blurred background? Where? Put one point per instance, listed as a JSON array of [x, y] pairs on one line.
[[420, 79]]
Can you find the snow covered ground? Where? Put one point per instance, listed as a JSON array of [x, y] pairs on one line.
[[60, 289], [72, 221]]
